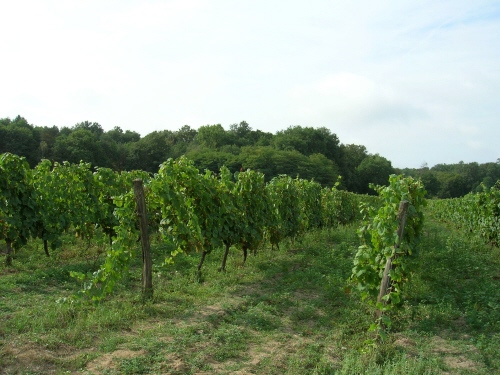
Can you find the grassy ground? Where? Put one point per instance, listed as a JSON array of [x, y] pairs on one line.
[[287, 311]]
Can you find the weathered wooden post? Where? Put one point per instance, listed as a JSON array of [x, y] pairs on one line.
[[46, 247], [8, 253], [385, 284], [147, 263]]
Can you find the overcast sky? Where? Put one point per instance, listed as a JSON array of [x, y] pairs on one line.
[[414, 81]]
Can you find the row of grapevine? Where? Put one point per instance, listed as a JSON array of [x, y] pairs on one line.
[[475, 213], [17, 209], [191, 211], [390, 239], [202, 212], [46, 201]]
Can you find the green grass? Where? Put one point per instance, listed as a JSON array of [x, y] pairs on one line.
[[287, 311]]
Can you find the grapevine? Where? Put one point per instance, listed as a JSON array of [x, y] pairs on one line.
[[475, 213], [379, 240]]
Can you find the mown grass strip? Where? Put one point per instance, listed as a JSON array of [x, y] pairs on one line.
[[287, 311]]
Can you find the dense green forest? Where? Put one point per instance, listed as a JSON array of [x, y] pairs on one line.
[[310, 153]]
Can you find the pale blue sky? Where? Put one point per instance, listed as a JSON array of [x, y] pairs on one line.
[[415, 81]]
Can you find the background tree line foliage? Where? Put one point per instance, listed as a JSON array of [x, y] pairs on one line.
[[306, 152], [456, 180]]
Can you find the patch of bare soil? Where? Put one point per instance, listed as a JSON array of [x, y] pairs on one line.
[[277, 352], [460, 323], [109, 361], [8, 271], [460, 362], [407, 344], [305, 295], [36, 359], [175, 364], [201, 315], [454, 357], [256, 354], [205, 312]]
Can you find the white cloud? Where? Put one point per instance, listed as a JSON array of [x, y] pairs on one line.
[[382, 74], [352, 100], [345, 85]]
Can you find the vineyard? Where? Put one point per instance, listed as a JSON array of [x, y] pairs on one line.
[[191, 211], [317, 254], [474, 213]]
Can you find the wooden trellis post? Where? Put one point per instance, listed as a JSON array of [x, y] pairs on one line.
[[385, 284], [147, 263]]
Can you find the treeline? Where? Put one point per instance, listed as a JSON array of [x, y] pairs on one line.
[[305, 152], [456, 180]]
